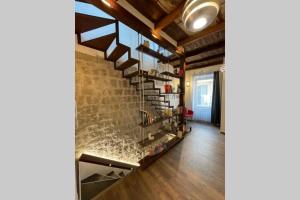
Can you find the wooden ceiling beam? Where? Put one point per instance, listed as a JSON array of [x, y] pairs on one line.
[[206, 58], [212, 29], [219, 55], [165, 21], [122, 15], [206, 65], [210, 47]]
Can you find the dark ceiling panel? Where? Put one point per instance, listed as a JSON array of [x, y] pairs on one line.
[[149, 8], [175, 32], [207, 40], [169, 5]]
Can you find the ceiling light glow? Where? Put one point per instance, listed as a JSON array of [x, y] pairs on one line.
[[106, 3], [199, 23], [154, 36]]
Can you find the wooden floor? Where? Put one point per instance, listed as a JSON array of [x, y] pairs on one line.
[[193, 169]]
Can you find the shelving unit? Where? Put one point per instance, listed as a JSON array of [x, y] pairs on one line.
[[152, 53], [147, 76], [156, 78], [156, 136], [147, 160], [157, 121], [170, 74], [167, 106], [170, 93]]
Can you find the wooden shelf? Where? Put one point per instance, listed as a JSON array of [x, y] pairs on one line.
[[152, 53], [171, 74], [155, 77], [156, 100], [170, 93], [157, 136], [158, 105], [146, 161], [153, 95], [135, 73], [158, 121], [145, 74]]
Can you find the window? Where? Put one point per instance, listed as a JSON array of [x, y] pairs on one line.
[[202, 96]]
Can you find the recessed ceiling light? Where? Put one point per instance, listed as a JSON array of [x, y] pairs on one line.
[[106, 3], [154, 36], [199, 23]]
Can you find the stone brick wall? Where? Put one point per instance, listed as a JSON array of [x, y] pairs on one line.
[[107, 111]]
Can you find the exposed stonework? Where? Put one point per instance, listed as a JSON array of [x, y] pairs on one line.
[[107, 111]]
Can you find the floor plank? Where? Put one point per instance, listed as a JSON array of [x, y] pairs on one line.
[[193, 170]]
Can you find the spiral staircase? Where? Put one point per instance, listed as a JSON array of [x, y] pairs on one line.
[[143, 82], [114, 50]]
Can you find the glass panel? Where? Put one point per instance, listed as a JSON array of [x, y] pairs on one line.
[[98, 32], [129, 37], [88, 9]]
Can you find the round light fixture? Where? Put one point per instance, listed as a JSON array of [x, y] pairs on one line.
[[199, 23], [198, 14]]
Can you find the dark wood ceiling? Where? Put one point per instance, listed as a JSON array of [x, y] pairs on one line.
[[149, 8], [175, 32], [156, 10]]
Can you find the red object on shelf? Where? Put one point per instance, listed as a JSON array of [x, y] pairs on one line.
[[168, 88], [188, 114], [180, 73]]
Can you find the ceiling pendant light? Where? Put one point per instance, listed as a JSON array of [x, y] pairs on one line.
[[198, 14]]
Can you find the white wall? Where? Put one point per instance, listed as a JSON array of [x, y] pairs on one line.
[[188, 90], [222, 128]]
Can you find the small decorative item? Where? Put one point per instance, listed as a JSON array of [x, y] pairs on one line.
[[168, 112], [151, 152], [153, 72], [174, 126], [150, 136], [180, 73], [146, 43], [175, 71], [179, 134], [179, 110], [167, 126], [178, 89], [174, 88], [168, 88]]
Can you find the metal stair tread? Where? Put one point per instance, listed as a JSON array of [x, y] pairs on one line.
[[128, 63], [95, 178], [100, 43], [120, 50], [88, 191], [122, 174], [112, 174], [145, 81], [84, 23], [157, 100]]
